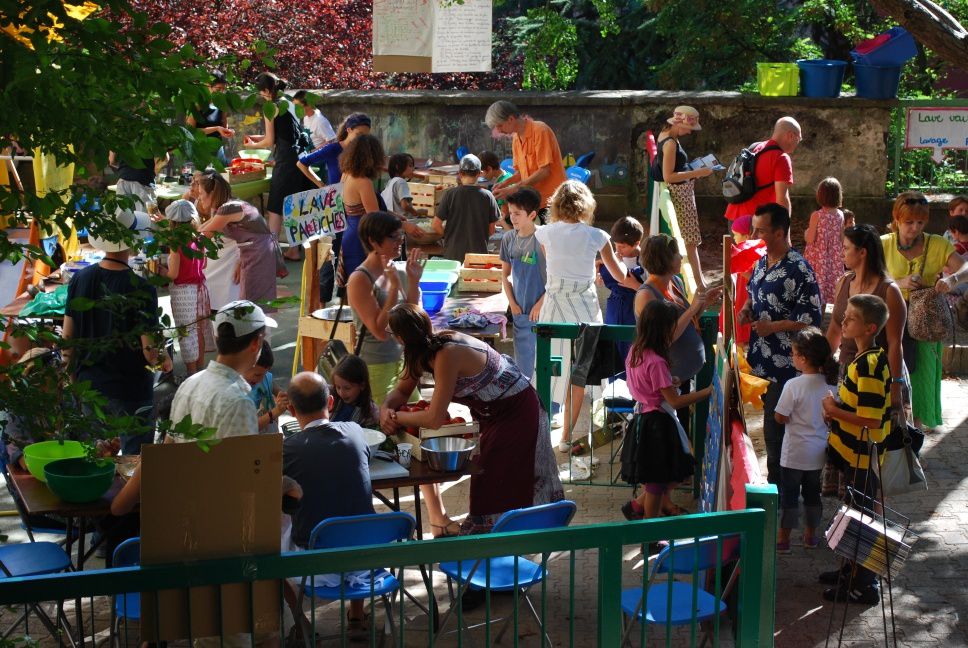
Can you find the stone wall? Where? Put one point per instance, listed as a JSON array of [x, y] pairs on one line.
[[843, 137]]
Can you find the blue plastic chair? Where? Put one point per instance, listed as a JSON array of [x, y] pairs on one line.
[[461, 152], [126, 606], [35, 559], [32, 523], [684, 557], [585, 160], [499, 574], [578, 173], [357, 531], [507, 165]]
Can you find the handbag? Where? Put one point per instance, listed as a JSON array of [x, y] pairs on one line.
[[901, 470], [929, 316], [336, 350]]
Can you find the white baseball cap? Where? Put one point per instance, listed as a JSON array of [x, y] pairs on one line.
[[181, 211], [137, 222], [244, 316]]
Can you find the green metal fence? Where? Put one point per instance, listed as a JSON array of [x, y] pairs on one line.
[[578, 603], [548, 365]]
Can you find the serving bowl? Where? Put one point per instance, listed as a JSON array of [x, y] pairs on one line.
[[447, 454]]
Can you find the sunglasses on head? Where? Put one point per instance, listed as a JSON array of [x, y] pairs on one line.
[[916, 201]]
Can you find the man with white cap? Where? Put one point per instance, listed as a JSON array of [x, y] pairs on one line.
[[218, 397], [470, 211], [110, 324]]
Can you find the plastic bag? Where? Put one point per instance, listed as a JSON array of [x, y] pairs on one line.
[[47, 304]]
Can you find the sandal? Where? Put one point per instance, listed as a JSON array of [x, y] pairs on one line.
[[449, 530], [358, 630], [674, 510]]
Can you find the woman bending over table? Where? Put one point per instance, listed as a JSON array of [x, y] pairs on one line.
[[518, 462]]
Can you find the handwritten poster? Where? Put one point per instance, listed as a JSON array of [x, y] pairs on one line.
[[937, 129], [308, 215], [708, 495], [432, 36]]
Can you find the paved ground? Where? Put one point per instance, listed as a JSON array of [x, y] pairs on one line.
[[930, 598]]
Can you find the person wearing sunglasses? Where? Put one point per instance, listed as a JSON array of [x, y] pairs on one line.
[[916, 259]]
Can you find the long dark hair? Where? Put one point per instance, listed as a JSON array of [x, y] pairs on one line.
[[420, 344], [811, 343], [866, 237], [353, 369], [654, 330], [271, 82]]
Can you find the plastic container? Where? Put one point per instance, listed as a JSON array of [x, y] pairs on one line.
[[79, 480], [38, 455], [897, 49], [433, 300], [261, 154], [821, 77], [778, 79], [435, 286], [439, 276], [877, 81], [442, 264]]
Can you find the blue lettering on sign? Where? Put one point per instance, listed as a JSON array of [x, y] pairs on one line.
[[936, 141]]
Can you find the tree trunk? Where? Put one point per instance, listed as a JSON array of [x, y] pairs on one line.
[[931, 25]]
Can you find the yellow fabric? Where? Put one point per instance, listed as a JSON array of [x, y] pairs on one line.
[[939, 249], [751, 388], [51, 177], [865, 391]]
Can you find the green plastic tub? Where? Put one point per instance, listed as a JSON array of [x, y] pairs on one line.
[[38, 455], [80, 480], [778, 79]]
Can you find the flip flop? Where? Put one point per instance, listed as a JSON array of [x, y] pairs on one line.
[[449, 530]]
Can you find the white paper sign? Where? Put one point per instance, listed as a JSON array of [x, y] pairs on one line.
[[937, 129], [308, 215], [462, 37], [455, 37]]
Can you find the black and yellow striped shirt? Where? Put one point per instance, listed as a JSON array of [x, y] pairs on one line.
[[865, 391]]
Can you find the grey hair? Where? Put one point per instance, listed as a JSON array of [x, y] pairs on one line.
[[500, 111]]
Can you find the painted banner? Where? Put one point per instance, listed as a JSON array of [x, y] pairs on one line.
[[714, 443], [937, 129], [308, 215]]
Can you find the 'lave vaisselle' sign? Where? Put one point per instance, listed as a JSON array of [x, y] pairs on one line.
[[937, 129]]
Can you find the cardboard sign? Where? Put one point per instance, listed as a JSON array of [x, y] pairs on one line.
[[198, 505], [937, 129], [432, 36], [309, 215]]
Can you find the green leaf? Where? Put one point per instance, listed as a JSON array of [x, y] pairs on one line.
[[269, 110], [82, 304]]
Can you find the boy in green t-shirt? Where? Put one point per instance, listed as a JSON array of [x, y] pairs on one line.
[[863, 414], [492, 172]]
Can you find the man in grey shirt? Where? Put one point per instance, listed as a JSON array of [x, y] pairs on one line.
[[471, 213]]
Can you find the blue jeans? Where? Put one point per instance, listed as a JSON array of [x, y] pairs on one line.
[[792, 483], [525, 344]]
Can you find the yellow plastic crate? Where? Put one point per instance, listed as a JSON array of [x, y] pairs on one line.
[[778, 79]]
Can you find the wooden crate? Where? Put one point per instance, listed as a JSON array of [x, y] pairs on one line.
[[472, 259], [426, 196], [475, 276], [490, 274], [479, 285]]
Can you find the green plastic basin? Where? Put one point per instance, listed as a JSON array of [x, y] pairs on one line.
[[79, 480], [38, 455]]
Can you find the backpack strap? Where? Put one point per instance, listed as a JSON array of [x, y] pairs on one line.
[[771, 147]]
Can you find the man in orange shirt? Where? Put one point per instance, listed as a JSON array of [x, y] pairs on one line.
[[534, 148]]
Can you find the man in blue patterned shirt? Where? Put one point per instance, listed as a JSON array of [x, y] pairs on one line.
[[783, 298]]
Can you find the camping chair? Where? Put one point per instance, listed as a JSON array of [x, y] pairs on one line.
[[126, 607], [674, 602], [507, 573], [578, 173], [35, 559], [584, 160], [358, 531], [32, 523]]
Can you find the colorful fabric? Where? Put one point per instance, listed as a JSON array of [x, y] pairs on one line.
[[683, 195], [647, 379], [865, 391], [191, 309], [825, 255]]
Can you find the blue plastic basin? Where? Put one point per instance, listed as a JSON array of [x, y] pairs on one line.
[[877, 81], [435, 286], [433, 300], [821, 77]]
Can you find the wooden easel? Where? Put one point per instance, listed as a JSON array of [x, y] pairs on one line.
[[312, 334]]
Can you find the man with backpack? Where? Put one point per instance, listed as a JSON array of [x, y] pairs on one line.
[[767, 170]]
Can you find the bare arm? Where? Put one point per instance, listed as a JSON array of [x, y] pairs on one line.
[[811, 234], [508, 288], [615, 267], [669, 163], [218, 222], [446, 364], [897, 316], [833, 330], [782, 190], [309, 173], [779, 418], [359, 290], [129, 495], [267, 140], [174, 263], [437, 226], [678, 401], [398, 396]]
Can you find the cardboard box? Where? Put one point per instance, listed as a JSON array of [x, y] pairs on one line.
[[455, 429]]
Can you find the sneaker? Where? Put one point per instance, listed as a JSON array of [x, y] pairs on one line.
[[866, 595], [835, 576], [783, 547], [564, 446], [629, 512], [811, 542], [558, 421]]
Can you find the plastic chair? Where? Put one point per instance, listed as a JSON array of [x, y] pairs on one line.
[[461, 152], [357, 531], [585, 160], [499, 574], [578, 173], [32, 523], [35, 559], [507, 165], [127, 607], [683, 557]]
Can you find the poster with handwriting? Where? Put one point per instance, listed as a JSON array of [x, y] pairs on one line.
[[308, 215], [432, 35], [937, 129]]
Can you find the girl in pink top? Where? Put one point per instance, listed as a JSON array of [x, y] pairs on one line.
[[824, 251], [190, 304], [661, 460]]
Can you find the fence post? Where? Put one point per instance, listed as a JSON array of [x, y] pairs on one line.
[[766, 498], [610, 594]]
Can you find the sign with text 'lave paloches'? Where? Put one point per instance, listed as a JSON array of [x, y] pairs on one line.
[[309, 215], [937, 129]]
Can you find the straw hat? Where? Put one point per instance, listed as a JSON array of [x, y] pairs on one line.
[[685, 116]]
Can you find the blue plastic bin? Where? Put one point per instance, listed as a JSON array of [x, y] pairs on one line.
[[877, 81], [435, 286], [821, 77], [433, 300], [898, 50]]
